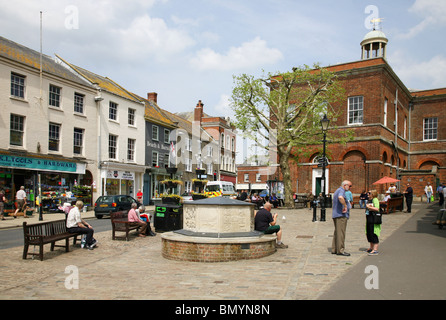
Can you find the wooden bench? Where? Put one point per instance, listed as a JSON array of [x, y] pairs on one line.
[[120, 223], [393, 204], [46, 232], [301, 202]]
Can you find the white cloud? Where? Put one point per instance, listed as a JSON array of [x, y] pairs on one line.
[[420, 75], [433, 13], [147, 36], [250, 54]]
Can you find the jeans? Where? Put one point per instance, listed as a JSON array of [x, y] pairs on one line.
[[362, 203], [88, 231]]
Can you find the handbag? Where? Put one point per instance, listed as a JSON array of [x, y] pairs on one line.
[[375, 217]]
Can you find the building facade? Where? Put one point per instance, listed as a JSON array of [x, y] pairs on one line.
[[194, 149], [120, 132], [47, 129], [397, 131]]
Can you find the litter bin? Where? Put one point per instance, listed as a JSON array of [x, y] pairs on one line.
[[168, 217]]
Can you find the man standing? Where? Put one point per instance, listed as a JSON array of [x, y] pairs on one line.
[[139, 196], [409, 197], [341, 213]]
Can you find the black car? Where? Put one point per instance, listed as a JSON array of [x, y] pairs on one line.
[[106, 204]]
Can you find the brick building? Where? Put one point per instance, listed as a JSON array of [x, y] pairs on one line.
[[396, 130]]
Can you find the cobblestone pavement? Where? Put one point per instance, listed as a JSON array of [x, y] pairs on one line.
[[136, 269]]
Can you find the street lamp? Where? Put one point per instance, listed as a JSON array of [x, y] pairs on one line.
[[324, 123]]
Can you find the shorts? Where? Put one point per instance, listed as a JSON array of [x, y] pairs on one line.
[[272, 229]]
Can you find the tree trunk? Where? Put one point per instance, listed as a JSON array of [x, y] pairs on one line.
[[285, 170]]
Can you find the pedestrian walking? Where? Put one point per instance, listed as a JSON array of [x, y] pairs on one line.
[[340, 215], [21, 201], [2, 203], [428, 191]]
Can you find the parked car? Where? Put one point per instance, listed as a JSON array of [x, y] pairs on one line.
[[106, 204]]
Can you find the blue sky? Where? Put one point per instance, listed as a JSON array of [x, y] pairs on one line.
[[189, 50]]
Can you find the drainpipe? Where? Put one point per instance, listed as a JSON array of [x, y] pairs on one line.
[[98, 100], [409, 129]]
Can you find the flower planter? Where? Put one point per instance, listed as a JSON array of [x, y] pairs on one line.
[[170, 200], [198, 196]]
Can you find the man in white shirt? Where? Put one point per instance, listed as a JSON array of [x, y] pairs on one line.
[[75, 224], [21, 201]]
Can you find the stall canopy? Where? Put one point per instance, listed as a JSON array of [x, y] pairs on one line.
[[385, 180]]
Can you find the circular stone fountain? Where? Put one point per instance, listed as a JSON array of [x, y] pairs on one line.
[[215, 230]]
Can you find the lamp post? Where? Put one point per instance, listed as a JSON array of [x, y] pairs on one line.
[[324, 123]]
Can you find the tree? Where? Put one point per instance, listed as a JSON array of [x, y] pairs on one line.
[[281, 113]]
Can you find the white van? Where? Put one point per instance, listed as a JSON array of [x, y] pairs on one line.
[[226, 188]]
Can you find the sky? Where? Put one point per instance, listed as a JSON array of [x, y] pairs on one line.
[[190, 50]]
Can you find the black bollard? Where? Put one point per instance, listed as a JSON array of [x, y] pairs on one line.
[[314, 205]]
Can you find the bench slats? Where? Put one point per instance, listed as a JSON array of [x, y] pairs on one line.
[[119, 221], [46, 232]]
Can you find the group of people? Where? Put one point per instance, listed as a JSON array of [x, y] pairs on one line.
[[75, 223], [341, 214], [22, 205], [254, 197], [366, 197]]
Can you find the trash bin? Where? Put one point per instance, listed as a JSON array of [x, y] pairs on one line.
[[168, 217]]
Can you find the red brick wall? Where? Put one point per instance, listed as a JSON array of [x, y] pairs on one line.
[[214, 252]]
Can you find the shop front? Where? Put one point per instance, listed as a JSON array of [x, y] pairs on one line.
[[122, 179], [156, 188], [55, 180]]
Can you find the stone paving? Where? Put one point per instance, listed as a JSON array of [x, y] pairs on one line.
[[136, 270]]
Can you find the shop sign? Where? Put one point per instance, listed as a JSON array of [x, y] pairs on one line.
[[37, 164], [124, 175]]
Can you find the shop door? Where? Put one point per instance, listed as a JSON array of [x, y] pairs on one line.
[[318, 186]]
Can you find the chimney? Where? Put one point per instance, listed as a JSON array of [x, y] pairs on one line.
[[198, 112], [152, 96]]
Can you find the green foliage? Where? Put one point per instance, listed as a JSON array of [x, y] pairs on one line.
[[281, 112]]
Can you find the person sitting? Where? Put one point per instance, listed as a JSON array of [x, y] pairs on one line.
[[392, 188], [146, 218], [274, 201], [257, 200], [383, 204], [75, 224], [265, 222], [363, 199], [133, 217]]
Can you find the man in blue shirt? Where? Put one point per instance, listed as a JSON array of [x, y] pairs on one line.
[[341, 213]]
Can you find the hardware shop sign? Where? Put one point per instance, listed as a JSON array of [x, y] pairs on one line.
[[38, 164]]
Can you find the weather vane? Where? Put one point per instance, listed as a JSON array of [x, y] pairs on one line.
[[376, 22]]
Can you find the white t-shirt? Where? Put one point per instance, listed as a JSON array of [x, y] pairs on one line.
[[74, 217], [21, 194]]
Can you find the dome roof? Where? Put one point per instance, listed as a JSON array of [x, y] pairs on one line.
[[374, 35]]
